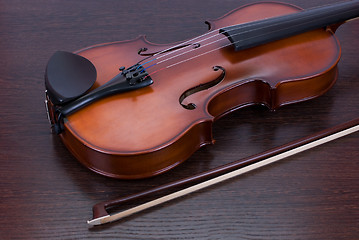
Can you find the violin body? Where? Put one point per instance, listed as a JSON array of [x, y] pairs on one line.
[[148, 131]]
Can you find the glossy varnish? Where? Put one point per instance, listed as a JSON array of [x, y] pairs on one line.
[[47, 194], [147, 131]]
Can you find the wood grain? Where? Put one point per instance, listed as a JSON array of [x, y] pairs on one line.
[[47, 194]]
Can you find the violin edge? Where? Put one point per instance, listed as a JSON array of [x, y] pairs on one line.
[[141, 165]]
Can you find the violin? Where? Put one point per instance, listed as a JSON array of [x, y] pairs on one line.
[[135, 109]]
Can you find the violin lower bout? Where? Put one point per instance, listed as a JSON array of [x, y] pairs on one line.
[[145, 164]]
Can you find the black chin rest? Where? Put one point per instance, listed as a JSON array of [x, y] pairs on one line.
[[68, 76]]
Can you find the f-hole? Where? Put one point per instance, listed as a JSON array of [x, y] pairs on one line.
[[201, 87]]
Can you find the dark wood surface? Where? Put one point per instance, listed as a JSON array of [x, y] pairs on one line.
[[45, 193]]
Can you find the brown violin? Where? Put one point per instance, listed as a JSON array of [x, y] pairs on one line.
[[134, 109]]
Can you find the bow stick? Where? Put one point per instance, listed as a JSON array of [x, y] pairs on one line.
[[222, 173]]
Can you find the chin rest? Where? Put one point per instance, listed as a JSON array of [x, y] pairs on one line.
[[68, 76]]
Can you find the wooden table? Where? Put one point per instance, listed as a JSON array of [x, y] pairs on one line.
[[46, 193]]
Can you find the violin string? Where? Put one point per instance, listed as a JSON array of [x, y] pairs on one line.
[[180, 54], [191, 50], [188, 59], [174, 47], [197, 42]]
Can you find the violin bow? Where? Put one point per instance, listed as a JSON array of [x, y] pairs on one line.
[[222, 173]]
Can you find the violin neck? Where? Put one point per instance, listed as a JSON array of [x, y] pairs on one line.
[[252, 34]]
